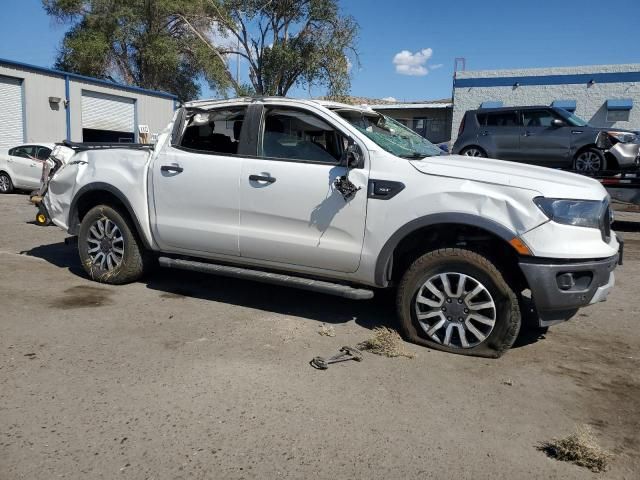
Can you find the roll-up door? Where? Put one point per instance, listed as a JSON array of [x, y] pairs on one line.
[[107, 118], [11, 113]]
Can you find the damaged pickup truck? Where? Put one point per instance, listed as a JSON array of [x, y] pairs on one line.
[[342, 200]]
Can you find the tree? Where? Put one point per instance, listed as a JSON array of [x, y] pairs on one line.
[[138, 42], [284, 42]]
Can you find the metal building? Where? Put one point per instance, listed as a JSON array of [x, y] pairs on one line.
[[43, 105], [432, 119], [603, 95]]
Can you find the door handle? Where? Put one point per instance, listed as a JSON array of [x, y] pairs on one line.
[[172, 168], [261, 178]]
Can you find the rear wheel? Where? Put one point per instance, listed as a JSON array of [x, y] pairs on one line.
[[474, 152], [457, 301], [109, 250], [6, 185], [590, 160]]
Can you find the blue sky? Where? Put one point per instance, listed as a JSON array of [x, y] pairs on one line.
[[427, 35]]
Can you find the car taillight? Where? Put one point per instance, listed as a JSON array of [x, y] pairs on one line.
[[461, 129]]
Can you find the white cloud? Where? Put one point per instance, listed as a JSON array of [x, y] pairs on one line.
[[414, 64], [436, 66], [389, 99]]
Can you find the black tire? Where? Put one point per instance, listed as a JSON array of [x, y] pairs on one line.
[[6, 185], [133, 258], [587, 157], [458, 261], [42, 219], [474, 151]]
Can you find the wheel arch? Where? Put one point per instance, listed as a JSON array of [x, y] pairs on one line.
[[446, 230], [476, 146], [98, 193], [611, 160]]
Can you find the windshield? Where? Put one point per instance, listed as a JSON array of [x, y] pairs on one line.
[[571, 119], [394, 137]]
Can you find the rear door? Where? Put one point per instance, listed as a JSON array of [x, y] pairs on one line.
[[499, 134], [290, 210], [541, 142], [24, 165], [195, 184]]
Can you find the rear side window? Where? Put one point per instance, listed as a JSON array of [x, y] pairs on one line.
[[216, 131], [482, 119], [502, 119], [27, 151], [299, 135]]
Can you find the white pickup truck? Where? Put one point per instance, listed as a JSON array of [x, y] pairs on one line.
[[343, 200]]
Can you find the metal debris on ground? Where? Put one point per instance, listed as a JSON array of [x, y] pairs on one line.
[[387, 342], [579, 448], [346, 353], [327, 331]]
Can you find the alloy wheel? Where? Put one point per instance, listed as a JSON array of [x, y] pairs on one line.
[[4, 183], [455, 310], [105, 244], [473, 152], [588, 162]]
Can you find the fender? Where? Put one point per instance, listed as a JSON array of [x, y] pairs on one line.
[[74, 222], [386, 254]]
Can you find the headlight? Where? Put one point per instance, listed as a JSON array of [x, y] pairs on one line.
[[623, 137], [581, 213]]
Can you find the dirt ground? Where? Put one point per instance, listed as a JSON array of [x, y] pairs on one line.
[[193, 376]]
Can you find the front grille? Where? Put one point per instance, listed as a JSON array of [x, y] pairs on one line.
[[605, 221]]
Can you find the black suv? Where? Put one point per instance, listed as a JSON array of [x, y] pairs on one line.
[[546, 136]]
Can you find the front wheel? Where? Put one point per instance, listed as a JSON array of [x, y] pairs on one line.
[[591, 160], [458, 301], [109, 250]]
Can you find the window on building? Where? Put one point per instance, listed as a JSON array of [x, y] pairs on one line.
[[618, 115]]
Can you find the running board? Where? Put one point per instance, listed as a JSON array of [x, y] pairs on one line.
[[268, 277]]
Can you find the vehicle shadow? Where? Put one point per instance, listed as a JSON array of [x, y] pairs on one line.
[[377, 312]]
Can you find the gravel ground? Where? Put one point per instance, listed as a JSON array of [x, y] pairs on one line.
[[191, 376]]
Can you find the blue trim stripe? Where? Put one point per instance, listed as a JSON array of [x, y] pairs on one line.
[[67, 106], [96, 81], [581, 78], [620, 104], [491, 104], [568, 105]]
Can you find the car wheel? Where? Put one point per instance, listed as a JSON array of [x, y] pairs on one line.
[[109, 250], [473, 152], [458, 301], [42, 219], [6, 185], [591, 160]]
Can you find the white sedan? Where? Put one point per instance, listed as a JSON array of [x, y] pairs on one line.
[[21, 167]]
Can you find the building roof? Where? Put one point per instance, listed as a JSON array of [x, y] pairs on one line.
[[84, 78]]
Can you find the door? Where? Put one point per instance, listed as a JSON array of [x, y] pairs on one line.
[[290, 210], [499, 134], [543, 143], [195, 185], [11, 112], [25, 166], [107, 118]]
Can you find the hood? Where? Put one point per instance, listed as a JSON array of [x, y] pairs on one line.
[[546, 181]]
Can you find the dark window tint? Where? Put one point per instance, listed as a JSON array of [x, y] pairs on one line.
[[217, 131], [299, 135], [537, 118], [43, 153], [482, 119], [502, 119], [26, 151]]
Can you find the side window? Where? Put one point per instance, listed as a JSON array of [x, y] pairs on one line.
[[298, 135], [502, 119], [43, 153], [482, 119], [26, 151], [215, 131], [537, 118]]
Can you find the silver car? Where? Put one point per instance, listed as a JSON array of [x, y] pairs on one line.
[[546, 136]]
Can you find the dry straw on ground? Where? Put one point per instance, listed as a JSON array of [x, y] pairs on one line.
[[580, 448], [327, 331], [386, 341]]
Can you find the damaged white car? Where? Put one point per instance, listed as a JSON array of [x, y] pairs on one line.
[[342, 200]]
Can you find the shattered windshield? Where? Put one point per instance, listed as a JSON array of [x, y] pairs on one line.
[[394, 137]]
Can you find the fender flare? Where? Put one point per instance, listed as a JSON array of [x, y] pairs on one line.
[[385, 256], [74, 221]]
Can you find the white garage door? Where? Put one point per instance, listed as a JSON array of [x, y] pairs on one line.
[[107, 112], [11, 119]]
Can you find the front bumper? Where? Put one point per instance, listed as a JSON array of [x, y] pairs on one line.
[[559, 289], [627, 154]]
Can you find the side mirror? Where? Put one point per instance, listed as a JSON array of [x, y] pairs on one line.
[[352, 155], [557, 123]]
